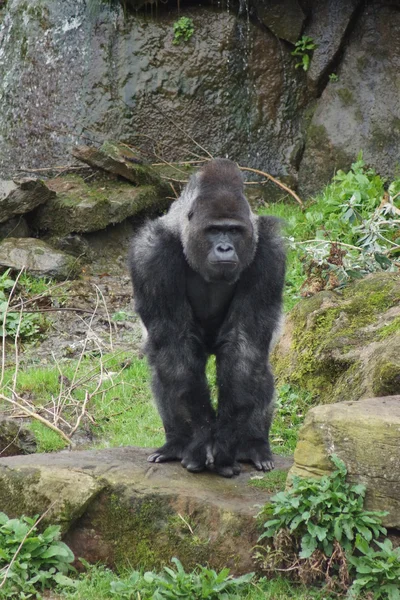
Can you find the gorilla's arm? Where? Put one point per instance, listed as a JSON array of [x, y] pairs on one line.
[[245, 382], [174, 350]]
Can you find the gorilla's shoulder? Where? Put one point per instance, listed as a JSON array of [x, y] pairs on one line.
[[153, 246]]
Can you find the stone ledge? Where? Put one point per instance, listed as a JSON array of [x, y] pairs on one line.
[[116, 507]]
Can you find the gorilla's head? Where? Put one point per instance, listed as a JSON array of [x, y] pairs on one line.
[[220, 235]]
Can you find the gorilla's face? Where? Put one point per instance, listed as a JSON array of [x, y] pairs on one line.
[[221, 240]]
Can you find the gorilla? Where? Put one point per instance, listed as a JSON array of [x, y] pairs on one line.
[[207, 279]]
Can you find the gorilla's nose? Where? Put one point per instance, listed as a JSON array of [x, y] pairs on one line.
[[225, 251]]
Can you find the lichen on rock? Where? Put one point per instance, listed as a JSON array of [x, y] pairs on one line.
[[344, 345]]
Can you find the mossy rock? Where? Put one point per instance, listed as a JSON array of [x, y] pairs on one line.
[[117, 508], [81, 206], [38, 258], [344, 345]]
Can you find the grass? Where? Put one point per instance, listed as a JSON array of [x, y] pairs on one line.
[[96, 585], [121, 412]]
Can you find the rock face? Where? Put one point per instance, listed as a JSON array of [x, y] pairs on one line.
[[18, 197], [73, 69], [351, 114], [116, 507], [366, 436], [344, 346], [37, 258], [80, 207]]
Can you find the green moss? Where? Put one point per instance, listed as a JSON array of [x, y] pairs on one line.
[[149, 532], [328, 327], [346, 96], [389, 329]]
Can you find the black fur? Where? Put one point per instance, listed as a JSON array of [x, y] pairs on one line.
[[208, 279]]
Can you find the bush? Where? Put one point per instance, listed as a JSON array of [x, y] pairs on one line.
[[31, 561], [316, 529]]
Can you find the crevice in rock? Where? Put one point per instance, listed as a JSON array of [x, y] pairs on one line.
[[334, 64]]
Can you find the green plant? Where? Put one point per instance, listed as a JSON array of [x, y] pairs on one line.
[[315, 525], [15, 324], [304, 48], [333, 78], [377, 571], [290, 407], [183, 30], [31, 561], [202, 583]]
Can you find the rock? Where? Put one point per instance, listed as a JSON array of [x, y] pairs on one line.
[[82, 206], [15, 438], [73, 244], [37, 257], [366, 436], [344, 345], [16, 227], [329, 26], [352, 114], [135, 513], [119, 159], [232, 86], [20, 196], [284, 18]]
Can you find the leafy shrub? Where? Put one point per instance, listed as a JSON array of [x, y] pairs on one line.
[[351, 230], [377, 571], [183, 30], [42, 561], [199, 584], [304, 48], [315, 526]]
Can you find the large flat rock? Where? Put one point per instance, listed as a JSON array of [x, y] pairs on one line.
[[366, 436], [116, 507]]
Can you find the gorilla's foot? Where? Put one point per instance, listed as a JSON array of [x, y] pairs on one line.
[[170, 451], [197, 456], [227, 470], [257, 452]]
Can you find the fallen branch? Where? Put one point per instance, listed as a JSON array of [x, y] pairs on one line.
[[276, 181]]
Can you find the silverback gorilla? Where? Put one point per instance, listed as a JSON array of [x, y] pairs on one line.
[[208, 279]]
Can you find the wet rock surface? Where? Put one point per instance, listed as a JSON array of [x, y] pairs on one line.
[[366, 436], [116, 507], [352, 114]]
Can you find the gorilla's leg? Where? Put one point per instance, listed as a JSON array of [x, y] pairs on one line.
[[183, 399], [244, 409]]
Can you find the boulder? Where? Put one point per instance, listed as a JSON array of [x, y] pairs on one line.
[[284, 18], [329, 25], [81, 206], [117, 508], [344, 345], [20, 196], [15, 438], [119, 159], [37, 257], [366, 436], [352, 114]]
